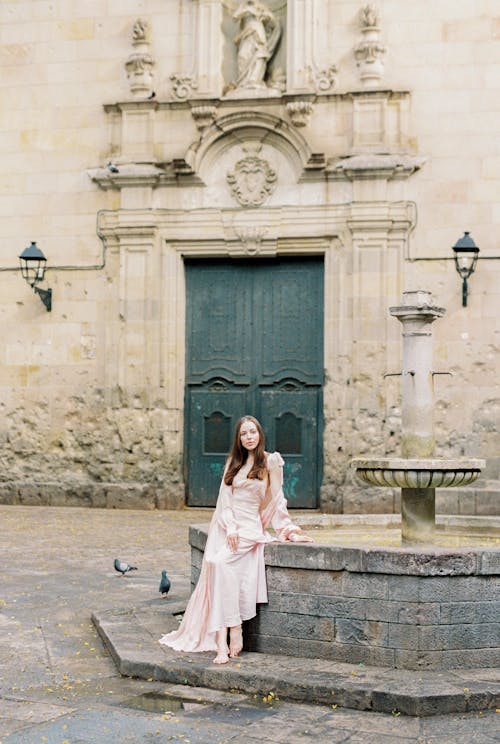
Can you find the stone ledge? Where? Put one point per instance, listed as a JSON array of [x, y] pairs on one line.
[[131, 636], [105, 495], [429, 561]]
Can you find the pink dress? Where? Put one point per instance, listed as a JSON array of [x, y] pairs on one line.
[[231, 584]]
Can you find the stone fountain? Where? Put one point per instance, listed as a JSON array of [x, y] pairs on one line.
[[412, 605], [418, 473], [395, 623]]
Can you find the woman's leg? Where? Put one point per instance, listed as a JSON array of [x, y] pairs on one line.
[[222, 649], [235, 640]]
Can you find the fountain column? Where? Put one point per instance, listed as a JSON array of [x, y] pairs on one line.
[[418, 505]]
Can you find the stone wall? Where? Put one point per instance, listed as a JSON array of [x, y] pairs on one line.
[[431, 609], [380, 169]]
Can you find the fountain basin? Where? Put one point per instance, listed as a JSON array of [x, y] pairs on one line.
[[432, 608], [400, 472]]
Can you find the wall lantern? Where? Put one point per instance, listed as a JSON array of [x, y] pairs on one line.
[[466, 255], [33, 264]]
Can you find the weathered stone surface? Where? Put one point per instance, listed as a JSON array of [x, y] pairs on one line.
[[417, 609], [294, 625], [490, 563], [98, 495], [299, 580], [317, 649]]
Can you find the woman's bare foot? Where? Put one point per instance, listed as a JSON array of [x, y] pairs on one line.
[[235, 641], [222, 649], [221, 658]]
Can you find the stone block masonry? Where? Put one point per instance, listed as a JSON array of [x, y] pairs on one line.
[[437, 609]]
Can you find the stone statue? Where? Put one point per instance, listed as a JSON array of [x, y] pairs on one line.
[[256, 42]]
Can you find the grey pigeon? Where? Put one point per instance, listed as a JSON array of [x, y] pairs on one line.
[[112, 167], [123, 567], [164, 585]]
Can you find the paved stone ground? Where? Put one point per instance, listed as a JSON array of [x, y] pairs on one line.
[[59, 686]]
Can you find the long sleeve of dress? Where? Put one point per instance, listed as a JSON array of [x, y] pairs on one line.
[[225, 514], [274, 511]]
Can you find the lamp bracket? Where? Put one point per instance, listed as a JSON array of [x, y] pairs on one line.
[[45, 296]]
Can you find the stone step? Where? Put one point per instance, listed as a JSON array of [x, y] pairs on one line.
[[131, 636]]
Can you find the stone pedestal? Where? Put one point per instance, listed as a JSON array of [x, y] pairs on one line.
[[418, 515]]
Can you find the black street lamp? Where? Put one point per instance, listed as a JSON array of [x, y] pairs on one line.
[[33, 264], [466, 255]]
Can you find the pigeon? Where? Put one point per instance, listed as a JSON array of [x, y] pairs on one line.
[[112, 167], [151, 95], [164, 585], [123, 568]]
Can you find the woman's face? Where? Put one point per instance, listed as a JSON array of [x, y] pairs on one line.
[[249, 435]]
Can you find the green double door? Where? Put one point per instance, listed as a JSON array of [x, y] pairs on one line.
[[254, 346]]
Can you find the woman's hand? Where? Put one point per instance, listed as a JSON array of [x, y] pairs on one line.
[[233, 542], [299, 537]]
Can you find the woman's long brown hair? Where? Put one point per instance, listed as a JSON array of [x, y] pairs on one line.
[[238, 455]]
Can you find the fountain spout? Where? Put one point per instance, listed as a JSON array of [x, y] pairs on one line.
[[417, 382]]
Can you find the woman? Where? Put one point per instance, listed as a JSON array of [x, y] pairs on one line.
[[232, 579]]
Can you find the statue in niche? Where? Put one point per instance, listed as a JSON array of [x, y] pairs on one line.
[[260, 32]]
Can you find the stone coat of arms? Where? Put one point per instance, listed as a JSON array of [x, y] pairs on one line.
[[252, 179]]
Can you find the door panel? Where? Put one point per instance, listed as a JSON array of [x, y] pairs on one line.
[[254, 336], [290, 419], [292, 324], [212, 417], [218, 308]]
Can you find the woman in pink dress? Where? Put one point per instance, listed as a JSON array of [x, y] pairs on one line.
[[232, 579]]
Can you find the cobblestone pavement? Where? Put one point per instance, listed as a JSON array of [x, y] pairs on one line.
[[59, 686]]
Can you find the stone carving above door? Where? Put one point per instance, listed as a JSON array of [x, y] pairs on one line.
[[251, 238], [252, 179]]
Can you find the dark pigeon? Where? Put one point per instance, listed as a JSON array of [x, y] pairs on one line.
[[164, 585]]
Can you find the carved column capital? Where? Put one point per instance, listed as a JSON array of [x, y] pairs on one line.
[[203, 115], [299, 112]]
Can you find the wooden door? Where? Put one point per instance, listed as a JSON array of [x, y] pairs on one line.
[[254, 346]]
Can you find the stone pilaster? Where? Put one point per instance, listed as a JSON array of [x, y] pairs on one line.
[[134, 343], [302, 72], [205, 78]]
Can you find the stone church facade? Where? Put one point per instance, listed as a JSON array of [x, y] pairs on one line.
[[230, 195]]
